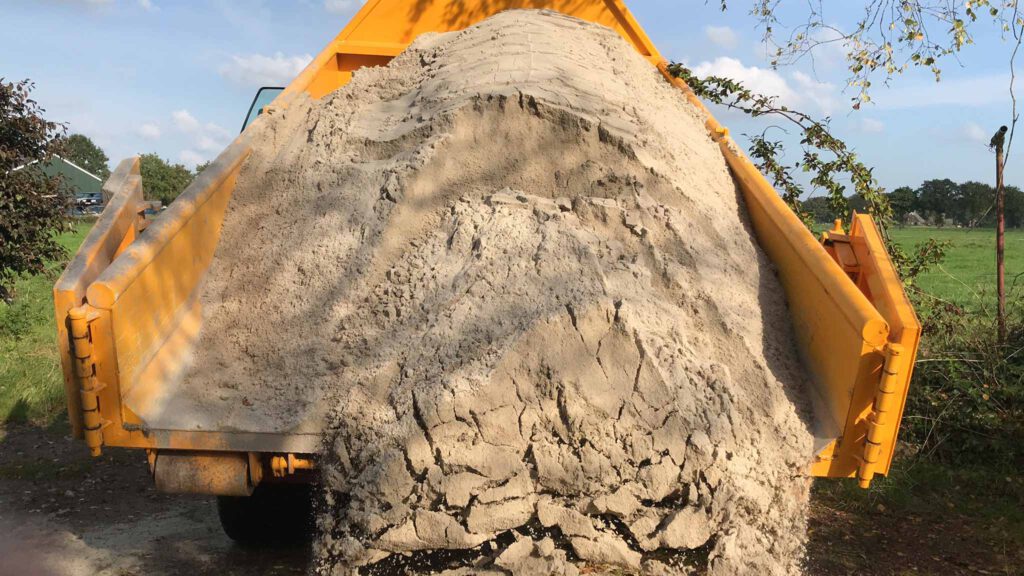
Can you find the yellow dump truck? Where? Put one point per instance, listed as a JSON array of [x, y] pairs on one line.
[[128, 313]]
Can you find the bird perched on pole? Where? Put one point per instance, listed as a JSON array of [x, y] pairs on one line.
[[998, 138]]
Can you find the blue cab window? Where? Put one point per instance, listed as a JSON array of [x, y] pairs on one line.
[[263, 97]]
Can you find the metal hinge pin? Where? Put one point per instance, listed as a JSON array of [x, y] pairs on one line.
[[883, 413], [85, 373]]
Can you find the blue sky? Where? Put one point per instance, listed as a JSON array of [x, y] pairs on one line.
[[177, 77]]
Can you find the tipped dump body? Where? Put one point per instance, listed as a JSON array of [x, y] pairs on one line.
[[520, 294], [140, 294]]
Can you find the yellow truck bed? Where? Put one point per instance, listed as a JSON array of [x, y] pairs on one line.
[[128, 313]]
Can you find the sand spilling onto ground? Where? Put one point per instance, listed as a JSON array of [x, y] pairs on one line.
[[515, 273]]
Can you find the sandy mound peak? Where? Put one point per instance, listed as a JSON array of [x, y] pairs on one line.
[[514, 281]]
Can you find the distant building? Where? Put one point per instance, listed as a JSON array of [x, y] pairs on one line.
[[86, 186], [915, 219]]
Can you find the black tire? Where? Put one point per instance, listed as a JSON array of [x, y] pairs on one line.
[[274, 515]]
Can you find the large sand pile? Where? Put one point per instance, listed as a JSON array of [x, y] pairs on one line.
[[517, 273]]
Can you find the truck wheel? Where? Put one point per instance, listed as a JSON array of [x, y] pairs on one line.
[[273, 515]]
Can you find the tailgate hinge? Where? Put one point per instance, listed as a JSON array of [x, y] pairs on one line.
[[883, 416], [85, 375]]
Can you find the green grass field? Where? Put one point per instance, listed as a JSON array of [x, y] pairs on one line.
[[31, 386], [968, 275]]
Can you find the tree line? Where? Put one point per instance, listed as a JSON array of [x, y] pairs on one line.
[[937, 203]]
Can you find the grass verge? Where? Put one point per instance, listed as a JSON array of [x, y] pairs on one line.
[[31, 385]]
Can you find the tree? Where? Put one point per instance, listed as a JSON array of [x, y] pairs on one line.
[[162, 180], [859, 204], [903, 201], [33, 206], [86, 154], [826, 158], [973, 202], [889, 37], [936, 199], [1014, 207], [818, 209], [201, 167]]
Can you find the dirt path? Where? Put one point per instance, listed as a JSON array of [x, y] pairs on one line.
[[63, 513], [845, 539]]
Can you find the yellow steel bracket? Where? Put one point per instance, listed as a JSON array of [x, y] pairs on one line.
[[118, 226], [862, 255], [885, 413], [85, 376]]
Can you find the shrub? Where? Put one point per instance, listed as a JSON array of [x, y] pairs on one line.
[[966, 401], [33, 206]]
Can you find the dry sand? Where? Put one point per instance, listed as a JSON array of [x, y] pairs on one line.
[[512, 272]]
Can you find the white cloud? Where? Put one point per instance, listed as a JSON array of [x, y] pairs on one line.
[[341, 6], [973, 132], [830, 49], [218, 132], [149, 131], [807, 92], [207, 144], [722, 36], [821, 94], [872, 126], [760, 80], [185, 121], [147, 5], [191, 158], [207, 139], [260, 70]]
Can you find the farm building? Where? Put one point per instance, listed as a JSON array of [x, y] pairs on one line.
[[86, 186]]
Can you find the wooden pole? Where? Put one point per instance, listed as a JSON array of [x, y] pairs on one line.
[[997, 143]]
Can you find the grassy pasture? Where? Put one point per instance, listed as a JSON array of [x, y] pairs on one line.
[[968, 275]]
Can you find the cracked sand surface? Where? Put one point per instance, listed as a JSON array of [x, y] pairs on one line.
[[512, 276]]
